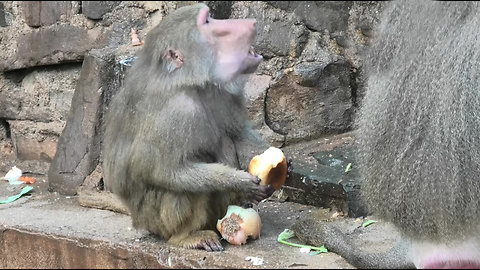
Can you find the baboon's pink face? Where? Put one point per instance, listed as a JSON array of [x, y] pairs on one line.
[[232, 41]]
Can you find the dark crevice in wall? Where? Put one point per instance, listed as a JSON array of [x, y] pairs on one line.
[[5, 126], [354, 86]]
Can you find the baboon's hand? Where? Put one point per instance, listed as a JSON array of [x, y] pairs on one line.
[[255, 192]]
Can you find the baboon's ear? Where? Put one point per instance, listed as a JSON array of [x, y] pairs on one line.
[[174, 59]]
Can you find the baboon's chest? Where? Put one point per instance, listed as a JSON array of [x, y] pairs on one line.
[[227, 115]]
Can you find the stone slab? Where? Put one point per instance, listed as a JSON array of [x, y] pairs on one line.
[[2, 16], [43, 13], [319, 175], [50, 45], [47, 230], [79, 146], [96, 9]]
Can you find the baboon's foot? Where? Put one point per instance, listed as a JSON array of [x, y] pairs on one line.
[[208, 240]]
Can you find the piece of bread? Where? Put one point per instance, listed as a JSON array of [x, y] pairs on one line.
[[270, 167]]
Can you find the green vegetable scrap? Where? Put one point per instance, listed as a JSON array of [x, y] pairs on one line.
[[349, 167], [287, 234], [368, 223], [13, 198]]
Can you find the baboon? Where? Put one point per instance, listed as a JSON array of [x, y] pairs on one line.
[[419, 139], [178, 141]]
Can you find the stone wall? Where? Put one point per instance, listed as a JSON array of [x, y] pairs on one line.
[[309, 85]]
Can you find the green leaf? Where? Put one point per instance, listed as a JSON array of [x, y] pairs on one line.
[[368, 223], [323, 249], [287, 234], [13, 198], [349, 167]]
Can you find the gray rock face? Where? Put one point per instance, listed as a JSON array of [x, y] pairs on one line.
[[4, 130], [96, 9], [53, 45], [255, 91], [79, 146], [35, 140], [43, 94], [279, 33], [320, 176], [2, 16], [315, 101], [318, 15], [42, 13], [220, 9]]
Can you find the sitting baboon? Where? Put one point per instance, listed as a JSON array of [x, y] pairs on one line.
[[419, 139], [178, 142]]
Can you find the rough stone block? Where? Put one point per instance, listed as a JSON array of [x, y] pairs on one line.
[[320, 178], [43, 94], [3, 22], [278, 33], [79, 146], [319, 15], [255, 91], [52, 45], [43, 13], [96, 9], [311, 103], [35, 140], [220, 9], [4, 130]]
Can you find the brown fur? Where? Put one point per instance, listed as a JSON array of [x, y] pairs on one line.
[[177, 140]]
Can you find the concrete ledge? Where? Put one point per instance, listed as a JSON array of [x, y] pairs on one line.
[[319, 176], [27, 249], [47, 230]]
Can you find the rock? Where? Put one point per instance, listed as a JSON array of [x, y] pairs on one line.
[[322, 105], [4, 130], [3, 22], [121, 20], [35, 140], [43, 13], [309, 72], [255, 91], [220, 9], [95, 179], [79, 146], [318, 15], [278, 33], [364, 18], [319, 175], [51, 45], [96, 9], [317, 51], [338, 160], [42, 94]]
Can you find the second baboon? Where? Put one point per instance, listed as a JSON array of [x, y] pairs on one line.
[[419, 138]]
